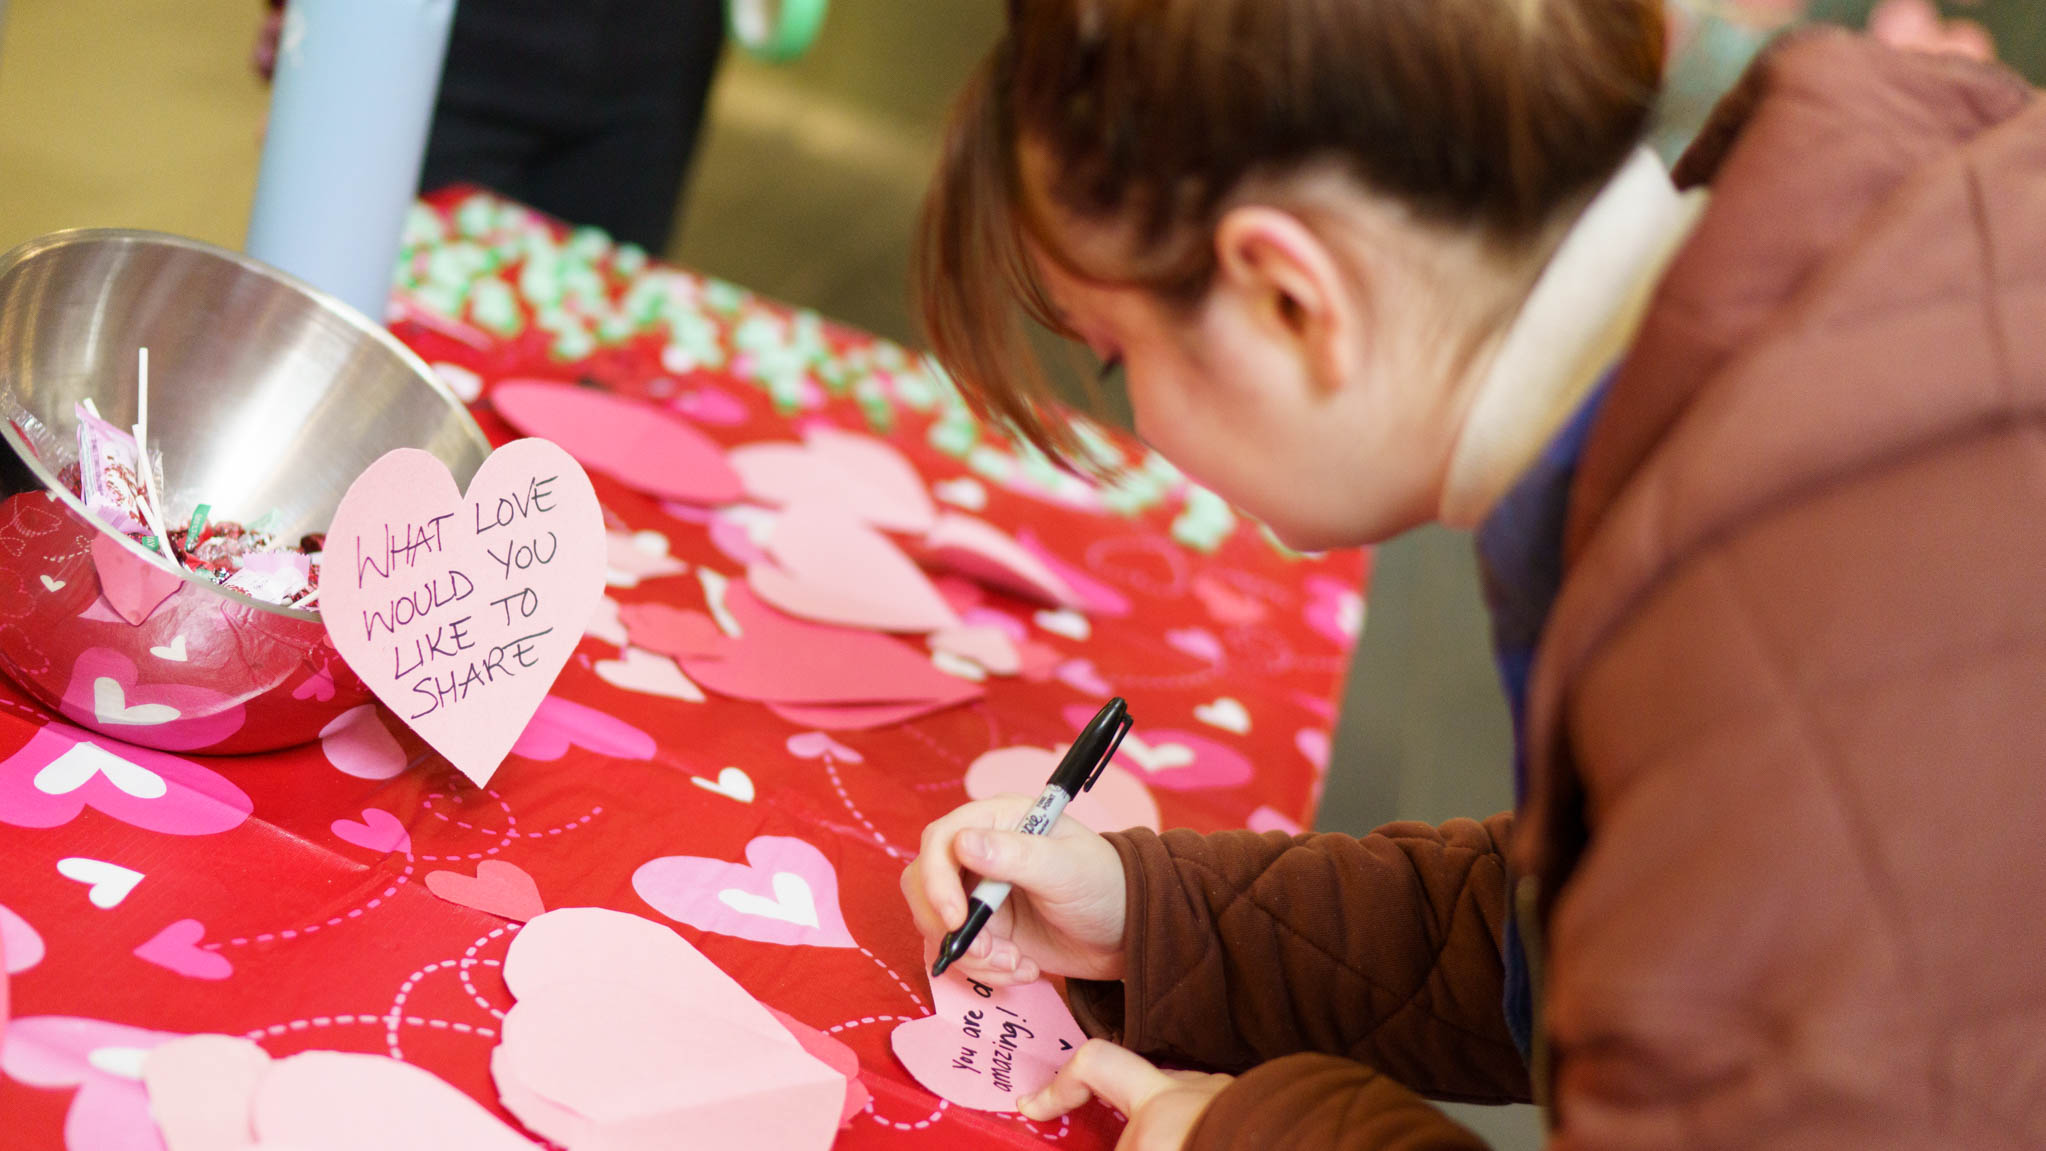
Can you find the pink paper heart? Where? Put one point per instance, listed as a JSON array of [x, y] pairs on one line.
[[357, 743], [636, 443], [989, 647], [1096, 598], [785, 892], [830, 568], [110, 1111], [499, 887], [1197, 642], [202, 1089], [986, 553], [378, 830], [671, 631], [176, 948], [458, 610], [855, 475], [560, 724], [1117, 800], [984, 1047], [858, 716], [61, 771], [834, 1055], [623, 1034], [1079, 674], [816, 744], [789, 662], [341, 1101], [106, 693], [134, 587]]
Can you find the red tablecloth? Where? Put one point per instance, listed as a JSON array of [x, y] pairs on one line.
[[307, 924]]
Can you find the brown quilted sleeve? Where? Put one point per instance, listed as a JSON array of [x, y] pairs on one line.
[[1243, 948], [1322, 1103]]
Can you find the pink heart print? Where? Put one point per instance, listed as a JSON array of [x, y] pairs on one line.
[[103, 1061], [460, 609], [176, 948], [378, 830], [61, 771], [785, 892]]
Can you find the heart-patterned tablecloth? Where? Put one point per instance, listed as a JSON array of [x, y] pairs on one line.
[[357, 894]]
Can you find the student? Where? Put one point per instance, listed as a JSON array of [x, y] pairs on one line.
[[1756, 459]]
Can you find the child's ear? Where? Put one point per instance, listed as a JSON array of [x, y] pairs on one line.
[[1295, 288]]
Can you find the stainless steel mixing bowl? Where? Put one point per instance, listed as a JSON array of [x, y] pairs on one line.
[[265, 396]]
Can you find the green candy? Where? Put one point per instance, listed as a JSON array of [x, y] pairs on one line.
[[722, 297], [422, 226], [954, 438], [495, 308], [1206, 522], [476, 216], [629, 260], [992, 463]]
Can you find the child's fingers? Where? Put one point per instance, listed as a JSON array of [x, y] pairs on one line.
[[1123, 1080]]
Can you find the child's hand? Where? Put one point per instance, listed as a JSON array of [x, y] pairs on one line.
[[1065, 915], [1164, 1106]]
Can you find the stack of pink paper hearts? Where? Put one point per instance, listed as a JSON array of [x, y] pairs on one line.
[[624, 1035]]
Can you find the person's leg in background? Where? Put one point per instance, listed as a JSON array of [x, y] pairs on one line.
[[588, 110]]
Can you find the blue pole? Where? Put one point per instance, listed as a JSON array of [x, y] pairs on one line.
[[349, 113]]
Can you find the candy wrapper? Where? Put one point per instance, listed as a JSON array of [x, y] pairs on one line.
[[109, 478]]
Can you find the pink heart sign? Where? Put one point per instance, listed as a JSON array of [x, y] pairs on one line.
[[785, 892], [984, 1047], [459, 609]]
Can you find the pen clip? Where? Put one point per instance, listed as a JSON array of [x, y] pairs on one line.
[[1122, 728]]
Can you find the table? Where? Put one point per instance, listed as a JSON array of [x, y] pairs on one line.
[[308, 923]]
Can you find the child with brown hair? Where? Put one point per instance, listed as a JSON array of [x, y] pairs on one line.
[[1756, 457]]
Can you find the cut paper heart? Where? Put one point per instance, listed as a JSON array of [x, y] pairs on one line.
[[860, 716], [984, 1047], [639, 670], [1174, 760], [791, 663], [623, 1035], [102, 1061], [106, 692], [459, 609], [672, 632], [628, 559], [134, 587], [358, 744], [499, 888], [604, 623], [1096, 598], [785, 892], [854, 475], [61, 771], [378, 830], [834, 1055], [176, 948], [989, 647], [732, 783], [636, 443], [830, 568], [560, 724], [216, 1092], [981, 551], [107, 884], [1117, 800]]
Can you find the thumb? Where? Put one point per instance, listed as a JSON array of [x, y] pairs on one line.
[[1031, 862]]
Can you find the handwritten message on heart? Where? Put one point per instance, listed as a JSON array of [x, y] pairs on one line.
[[987, 1047], [457, 609]]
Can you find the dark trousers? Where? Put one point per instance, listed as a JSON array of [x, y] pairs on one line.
[[585, 109]]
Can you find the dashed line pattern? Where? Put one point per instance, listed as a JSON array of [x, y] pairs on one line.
[[899, 981], [838, 785]]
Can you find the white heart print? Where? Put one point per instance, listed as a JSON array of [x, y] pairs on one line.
[[110, 705], [793, 901], [73, 769]]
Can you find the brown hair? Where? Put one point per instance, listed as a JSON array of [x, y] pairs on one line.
[[1491, 114]]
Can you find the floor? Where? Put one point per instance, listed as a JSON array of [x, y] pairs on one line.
[[144, 113]]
